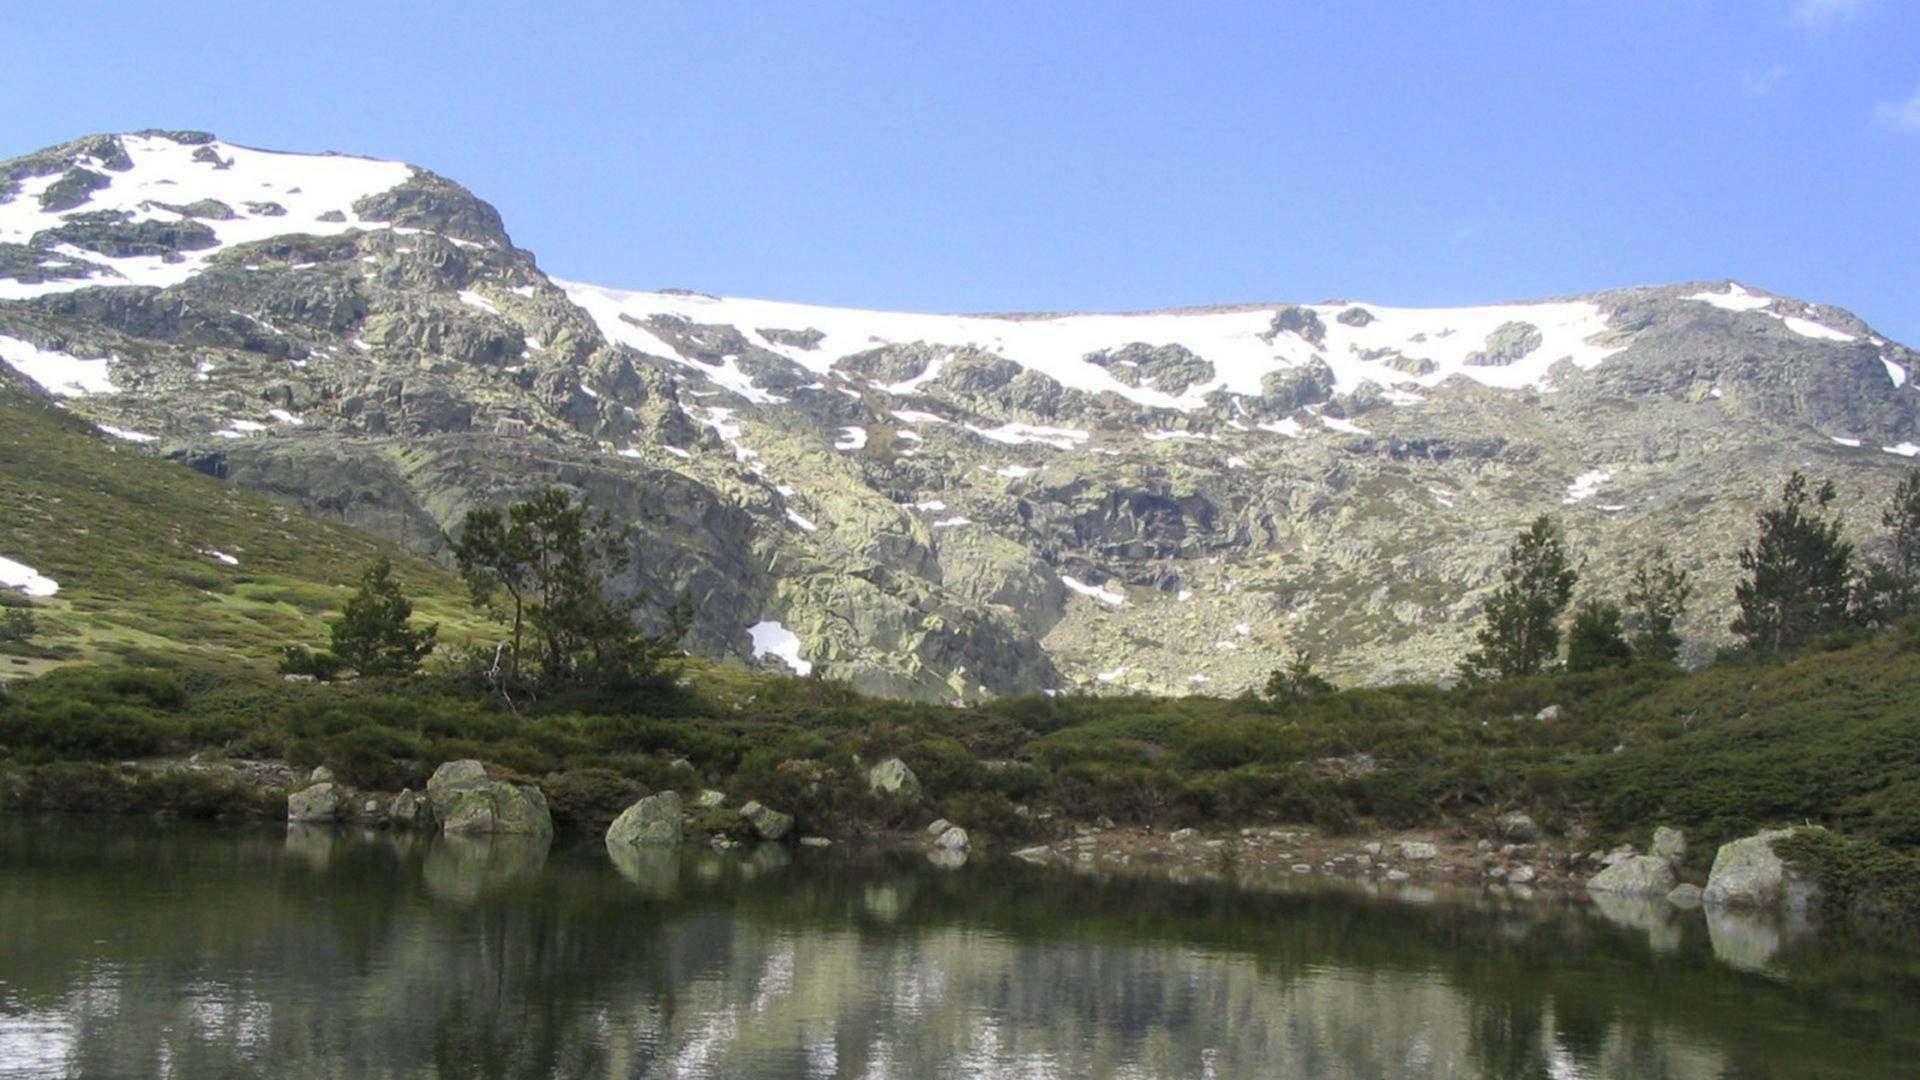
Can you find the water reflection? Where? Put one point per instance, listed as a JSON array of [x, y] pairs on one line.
[[143, 951]]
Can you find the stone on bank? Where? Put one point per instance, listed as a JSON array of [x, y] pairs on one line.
[[1637, 875], [467, 800], [1747, 873]]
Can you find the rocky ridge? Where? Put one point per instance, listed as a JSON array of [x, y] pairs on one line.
[[940, 507]]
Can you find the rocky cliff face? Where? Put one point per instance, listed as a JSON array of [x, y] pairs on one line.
[[943, 507]]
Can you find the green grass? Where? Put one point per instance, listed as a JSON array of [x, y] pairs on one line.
[[127, 535]]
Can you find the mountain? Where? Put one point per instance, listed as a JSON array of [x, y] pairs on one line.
[[932, 506]]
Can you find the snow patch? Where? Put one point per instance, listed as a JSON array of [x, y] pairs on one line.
[[851, 438], [1736, 298], [1844, 441], [129, 436], [1905, 449], [24, 578], [1105, 596], [1895, 372], [220, 557], [1015, 434], [1585, 485], [1811, 329], [56, 372], [772, 639], [954, 522], [794, 516]]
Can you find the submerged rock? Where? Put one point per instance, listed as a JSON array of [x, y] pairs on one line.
[[1636, 875], [1747, 873], [467, 800], [652, 821]]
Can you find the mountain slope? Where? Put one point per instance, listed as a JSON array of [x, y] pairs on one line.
[[944, 507]]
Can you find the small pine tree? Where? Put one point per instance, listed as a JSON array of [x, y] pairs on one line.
[[1522, 631], [373, 635], [1297, 681], [17, 626], [1657, 595], [1889, 589], [1595, 639], [1799, 572]]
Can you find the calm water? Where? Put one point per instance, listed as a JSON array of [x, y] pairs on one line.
[[137, 949]]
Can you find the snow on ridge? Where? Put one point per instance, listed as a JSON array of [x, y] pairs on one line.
[[125, 435], [302, 186], [23, 578], [1015, 434], [852, 437], [56, 372], [1736, 298], [1894, 371], [770, 638], [1238, 342]]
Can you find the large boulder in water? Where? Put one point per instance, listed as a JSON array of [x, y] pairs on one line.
[[653, 821], [1747, 873], [1640, 875], [465, 799], [894, 779]]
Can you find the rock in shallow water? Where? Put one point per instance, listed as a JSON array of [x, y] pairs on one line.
[[769, 823], [652, 821], [1747, 873], [318, 803], [466, 800], [1637, 875]]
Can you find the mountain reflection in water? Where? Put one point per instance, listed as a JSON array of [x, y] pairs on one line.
[[135, 949]]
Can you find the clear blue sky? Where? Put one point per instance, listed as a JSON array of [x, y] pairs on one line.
[[1050, 155]]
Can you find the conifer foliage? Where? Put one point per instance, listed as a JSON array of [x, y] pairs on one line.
[[1799, 572], [374, 633], [1522, 631]]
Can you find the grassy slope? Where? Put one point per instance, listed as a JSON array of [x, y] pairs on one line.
[[125, 535]]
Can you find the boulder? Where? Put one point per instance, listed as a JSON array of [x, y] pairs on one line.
[[954, 839], [1522, 874], [1747, 873], [1636, 875], [1517, 828], [894, 779], [768, 823], [466, 800], [409, 809], [1670, 844], [320, 774], [652, 821], [1685, 896], [709, 799], [1417, 851], [939, 826], [1551, 712], [316, 803], [815, 842]]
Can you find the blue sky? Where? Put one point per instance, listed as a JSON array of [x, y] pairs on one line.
[[1056, 156]]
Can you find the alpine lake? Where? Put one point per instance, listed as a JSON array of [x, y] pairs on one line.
[[136, 948]]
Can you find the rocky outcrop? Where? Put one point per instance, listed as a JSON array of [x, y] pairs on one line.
[[1747, 873], [466, 799], [1636, 875], [654, 821]]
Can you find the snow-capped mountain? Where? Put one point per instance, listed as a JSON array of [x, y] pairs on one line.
[[941, 506]]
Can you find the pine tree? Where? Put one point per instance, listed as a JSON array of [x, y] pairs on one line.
[[1595, 639], [373, 635], [1522, 631], [1657, 595], [1889, 588], [1799, 572], [553, 560], [1297, 681]]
